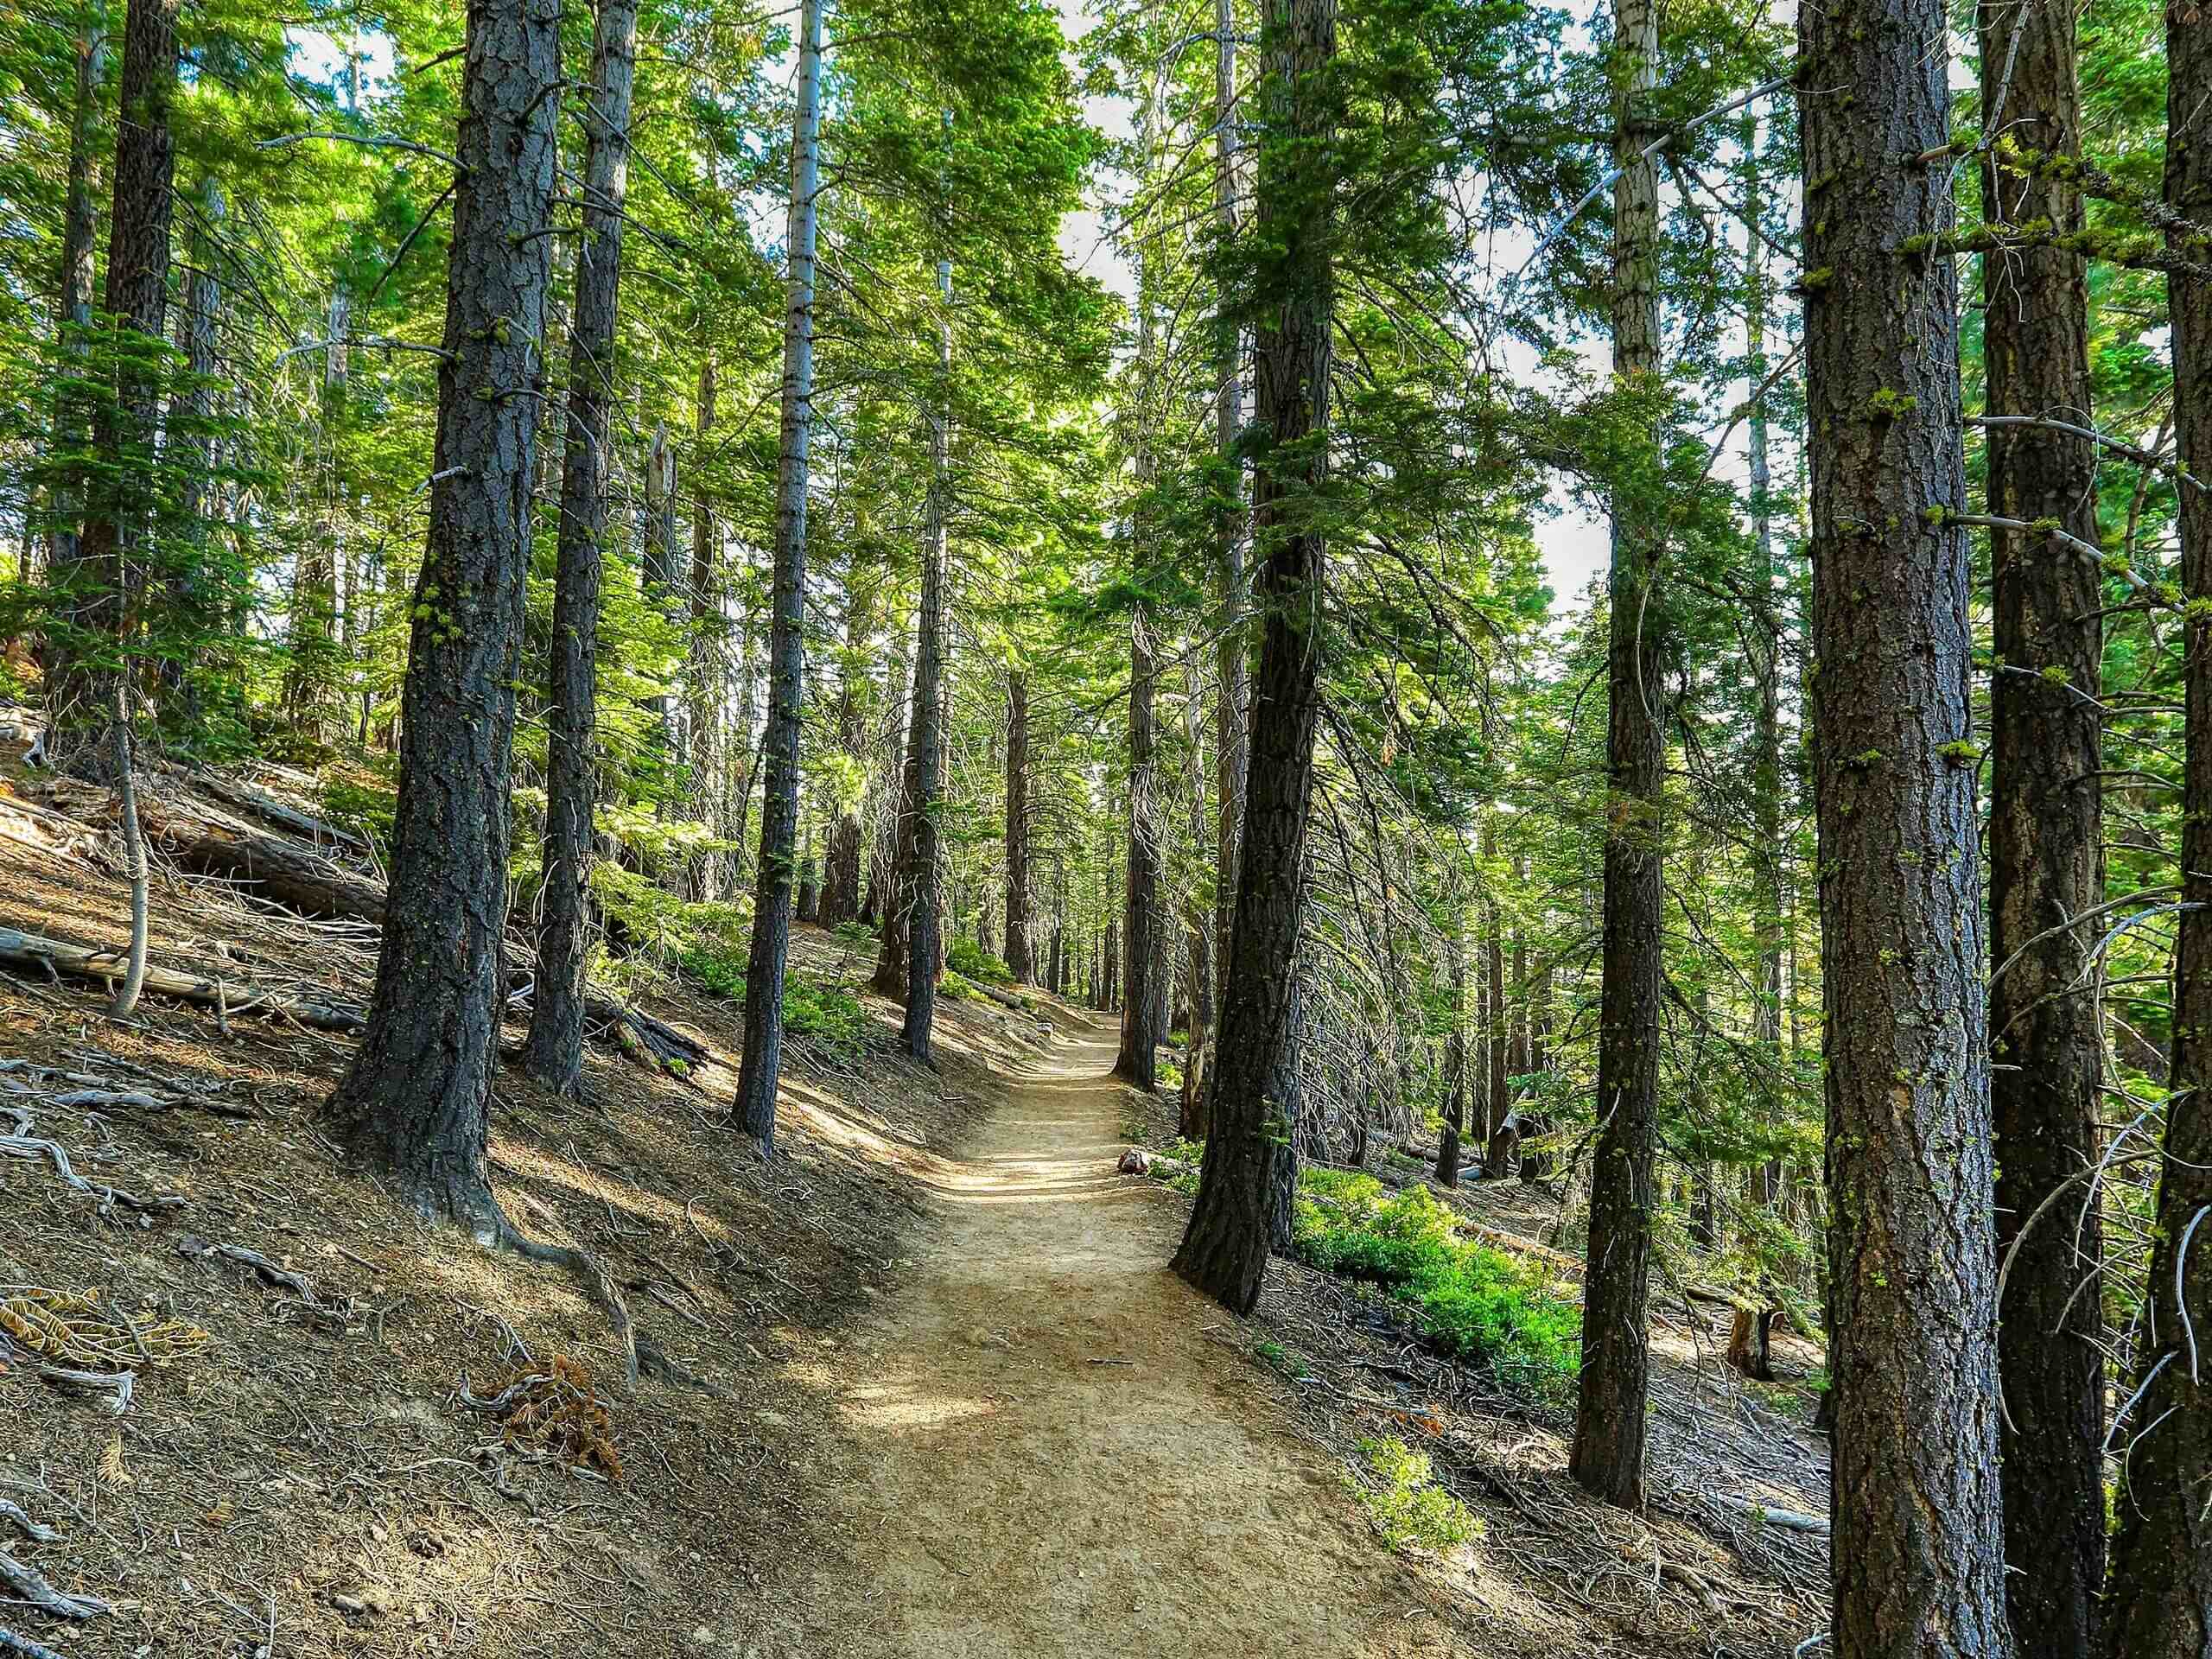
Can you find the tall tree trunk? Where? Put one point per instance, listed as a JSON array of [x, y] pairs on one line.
[[2045, 847], [413, 1103], [1232, 738], [553, 1052], [73, 311], [755, 1108], [1918, 1539], [119, 503], [1138, 1063], [1449, 1148], [1770, 858], [1609, 1423], [1225, 1251], [707, 679], [842, 873], [1498, 1096], [885, 854], [2160, 1602], [924, 904], [657, 574], [1021, 958], [194, 584], [312, 670]]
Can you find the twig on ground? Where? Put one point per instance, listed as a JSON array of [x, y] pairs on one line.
[[28, 1583]]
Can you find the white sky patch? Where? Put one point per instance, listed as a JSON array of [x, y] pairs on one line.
[[1084, 239]]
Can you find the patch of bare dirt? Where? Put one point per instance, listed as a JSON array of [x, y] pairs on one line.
[[312, 1481]]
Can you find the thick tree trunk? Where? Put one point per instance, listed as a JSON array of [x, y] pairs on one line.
[[755, 1108], [1232, 739], [1244, 1182], [2045, 849], [413, 1104], [1918, 1538], [1448, 1149], [1609, 1424], [1021, 958], [925, 918], [2159, 1603], [118, 501], [1138, 1063], [553, 1052]]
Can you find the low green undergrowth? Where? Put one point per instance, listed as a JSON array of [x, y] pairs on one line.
[[822, 1009], [1471, 1301], [1406, 1505], [970, 961]]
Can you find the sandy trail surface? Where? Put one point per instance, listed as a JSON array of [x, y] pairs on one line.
[[1041, 1442]]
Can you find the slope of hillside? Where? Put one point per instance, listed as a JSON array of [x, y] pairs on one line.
[[312, 1479]]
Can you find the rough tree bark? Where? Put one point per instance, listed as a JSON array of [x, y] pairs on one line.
[[413, 1103], [1918, 1541], [755, 1108], [2158, 1604], [1021, 957], [553, 1052], [1138, 1062], [2045, 846], [1232, 737], [1225, 1251], [1609, 1422], [85, 666], [919, 881]]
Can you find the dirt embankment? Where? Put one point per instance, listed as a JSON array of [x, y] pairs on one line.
[[309, 1480]]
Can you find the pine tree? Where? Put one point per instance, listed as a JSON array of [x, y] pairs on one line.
[[772, 900], [1918, 1549], [553, 1052], [414, 1103]]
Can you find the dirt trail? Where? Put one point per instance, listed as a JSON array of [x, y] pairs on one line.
[[1035, 1448]]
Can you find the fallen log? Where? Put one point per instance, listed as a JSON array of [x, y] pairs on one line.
[[60, 960], [276, 813], [644, 1038], [1787, 1520], [634, 1032], [279, 870]]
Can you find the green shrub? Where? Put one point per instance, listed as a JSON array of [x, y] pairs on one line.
[[970, 961], [1471, 1301], [954, 985], [1406, 1505], [815, 1007]]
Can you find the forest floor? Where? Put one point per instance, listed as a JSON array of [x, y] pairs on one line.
[[956, 1404]]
